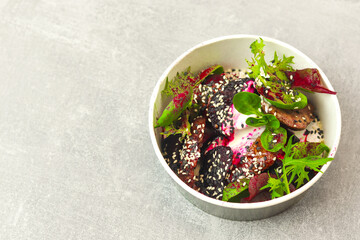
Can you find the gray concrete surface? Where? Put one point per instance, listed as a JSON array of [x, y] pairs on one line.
[[76, 76]]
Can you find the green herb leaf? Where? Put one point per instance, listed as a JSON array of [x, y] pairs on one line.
[[276, 187], [267, 119], [184, 129], [287, 102], [247, 103], [283, 64], [174, 109], [258, 64], [303, 149], [272, 121], [255, 69], [180, 83], [237, 198], [235, 188], [273, 139], [256, 122], [257, 46], [288, 147], [296, 167]]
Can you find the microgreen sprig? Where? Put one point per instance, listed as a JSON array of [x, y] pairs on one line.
[[274, 136], [271, 80], [297, 157]]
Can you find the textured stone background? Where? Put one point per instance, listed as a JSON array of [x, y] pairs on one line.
[[76, 76]]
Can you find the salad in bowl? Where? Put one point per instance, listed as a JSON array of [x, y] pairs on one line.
[[244, 135]]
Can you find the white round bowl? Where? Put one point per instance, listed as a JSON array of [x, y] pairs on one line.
[[231, 52]]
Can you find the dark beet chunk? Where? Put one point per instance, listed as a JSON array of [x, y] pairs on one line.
[[204, 92], [215, 142], [171, 151], [189, 156], [215, 171], [219, 111]]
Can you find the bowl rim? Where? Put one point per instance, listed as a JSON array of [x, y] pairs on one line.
[[220, 203]]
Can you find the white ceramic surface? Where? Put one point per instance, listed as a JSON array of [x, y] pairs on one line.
[[231, 52]]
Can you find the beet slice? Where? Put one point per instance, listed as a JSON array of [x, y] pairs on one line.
[[256, 183], [214, 171], [171, 151]]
